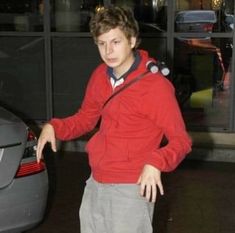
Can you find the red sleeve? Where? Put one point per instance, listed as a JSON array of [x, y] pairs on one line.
[[86, 117], [165, 114]]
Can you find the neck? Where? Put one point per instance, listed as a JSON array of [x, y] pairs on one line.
[[119, 71]]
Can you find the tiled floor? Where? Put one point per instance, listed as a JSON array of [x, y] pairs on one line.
[[199, 197]]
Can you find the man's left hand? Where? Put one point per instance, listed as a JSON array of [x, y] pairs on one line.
[[149, 181]]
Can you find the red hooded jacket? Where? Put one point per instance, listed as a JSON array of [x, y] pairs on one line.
[[132, 126]]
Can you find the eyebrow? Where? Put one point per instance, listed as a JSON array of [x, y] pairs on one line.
[[116, 38]]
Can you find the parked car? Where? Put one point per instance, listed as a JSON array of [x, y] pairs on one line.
[[188, 50], [23, 181], [229, 22], [227, 14], [227, 43]]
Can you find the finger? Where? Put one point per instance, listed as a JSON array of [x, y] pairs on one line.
[[39, 153], [53, 145], [139, 180], [142, 186], [160, 186], [142, 189], [40, 147]]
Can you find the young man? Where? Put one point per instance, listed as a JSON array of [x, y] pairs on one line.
[[125, 155]]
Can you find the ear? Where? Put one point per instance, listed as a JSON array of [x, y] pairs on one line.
[[133, 42]]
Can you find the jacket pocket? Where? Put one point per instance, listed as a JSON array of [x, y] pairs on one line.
[[116, 149]]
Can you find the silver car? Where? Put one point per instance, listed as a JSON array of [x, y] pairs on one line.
[[23, 181]]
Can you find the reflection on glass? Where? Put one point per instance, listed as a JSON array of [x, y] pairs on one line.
[[157, 47], [228, 15], [195, 21], [22, 82], [67, 15], [25, 15], [74, 15], [202, 79], [151, 15], [216, 4], [73, 60], [222, 9]]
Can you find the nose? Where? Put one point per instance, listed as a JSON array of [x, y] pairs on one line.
[[108, 49]]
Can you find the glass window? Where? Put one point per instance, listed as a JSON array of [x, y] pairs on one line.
[[22, 79], [73, 61], [204, 16], [155, 46], [24, 15], [227, 15], [202, 77], [74, 15], [66, 15], [151, 15]]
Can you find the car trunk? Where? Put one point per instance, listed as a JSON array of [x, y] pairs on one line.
[[12, 143]]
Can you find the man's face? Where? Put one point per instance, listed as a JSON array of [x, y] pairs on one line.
[[116, 50]]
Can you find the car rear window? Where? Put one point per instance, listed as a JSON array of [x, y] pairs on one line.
[[196, 16]]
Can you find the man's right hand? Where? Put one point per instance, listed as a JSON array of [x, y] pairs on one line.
[[47, 135]]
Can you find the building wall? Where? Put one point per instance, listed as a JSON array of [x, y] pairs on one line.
[[45, 65]]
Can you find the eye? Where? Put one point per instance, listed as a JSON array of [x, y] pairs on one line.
[[100, 43], [117, 42]]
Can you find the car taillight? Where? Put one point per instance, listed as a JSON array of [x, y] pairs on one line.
[[208, 27], [30, 147], [31, 136], [30, 168]]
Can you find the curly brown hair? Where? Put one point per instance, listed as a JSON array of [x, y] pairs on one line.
[[108, 18]]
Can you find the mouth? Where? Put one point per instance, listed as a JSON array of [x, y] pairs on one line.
[[111, 60]]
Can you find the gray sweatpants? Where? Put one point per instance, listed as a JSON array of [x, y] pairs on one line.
[[114, 208]]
